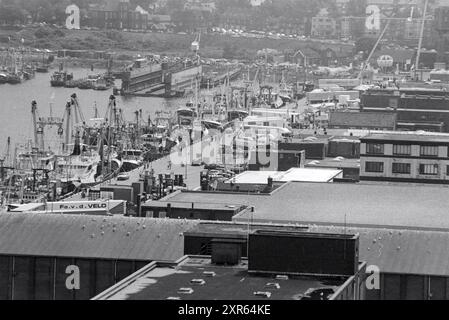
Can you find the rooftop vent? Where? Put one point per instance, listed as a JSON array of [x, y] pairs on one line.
[[318, 294], [185, 290], [265, 294], [209, 273], [274, 285], [269, 251], [226, 251], [199, 282]]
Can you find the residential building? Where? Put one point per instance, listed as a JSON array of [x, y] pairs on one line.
[[200, 5], [323, 25], [405, 157], [118, 14], [345, 27]]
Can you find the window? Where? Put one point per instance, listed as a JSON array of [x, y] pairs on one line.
[[399, 149], [374, 167], [403, 168], [429, 169], [429, 151], [374, 148]]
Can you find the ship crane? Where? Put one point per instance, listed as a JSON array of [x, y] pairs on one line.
[[195, 46], [392, 18], [73, 116], [40, 123]]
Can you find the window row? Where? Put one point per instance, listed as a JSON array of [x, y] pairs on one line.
[[402, 150], [404, 168]]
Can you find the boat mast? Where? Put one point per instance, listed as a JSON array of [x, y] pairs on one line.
[[421, 35], [33, 112], [67, 128]]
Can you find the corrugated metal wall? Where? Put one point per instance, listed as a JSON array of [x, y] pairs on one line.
[[44, 278]]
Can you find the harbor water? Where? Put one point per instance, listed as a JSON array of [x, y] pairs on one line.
[[15, 104]]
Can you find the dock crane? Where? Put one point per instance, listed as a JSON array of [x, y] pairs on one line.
[[393, 17], [379, 39], [421, 35]]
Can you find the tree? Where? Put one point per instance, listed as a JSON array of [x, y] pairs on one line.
[[366, 45], [11, 14]]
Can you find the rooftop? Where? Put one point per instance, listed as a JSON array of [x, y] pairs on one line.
[[338, 162], [294, 174], [83, 236], [392, 250], [197, 206], [411, 137], [363, 119], [227, 283], [363, 205]]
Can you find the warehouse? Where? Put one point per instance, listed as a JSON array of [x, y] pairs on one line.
[[403, 229], [280, 265], [36, 249], [410, 261]]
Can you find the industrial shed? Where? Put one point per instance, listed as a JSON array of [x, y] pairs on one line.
[[403, 229], [35, 250]]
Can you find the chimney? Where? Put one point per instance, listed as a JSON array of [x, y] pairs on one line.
[[270, 182], [168, 210]]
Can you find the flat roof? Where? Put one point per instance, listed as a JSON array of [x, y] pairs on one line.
[[415, 137], [197, 206], [337, 162], [293, 174], [237, 229], [362, 119], [229, 283], [363, 205]]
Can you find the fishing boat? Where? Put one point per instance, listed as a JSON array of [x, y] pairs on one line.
[[72, 84], [15, 78], [86, 84], [101, 84], [28, 72], [3, 78], [59, 78], [42, 68]]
